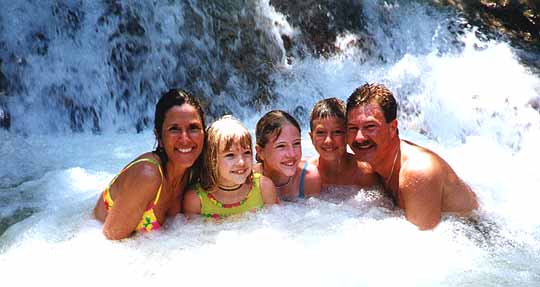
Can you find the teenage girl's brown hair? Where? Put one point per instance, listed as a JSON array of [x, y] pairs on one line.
[[269, 127]]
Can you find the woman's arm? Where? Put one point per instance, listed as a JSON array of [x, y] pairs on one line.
[[135, 189]]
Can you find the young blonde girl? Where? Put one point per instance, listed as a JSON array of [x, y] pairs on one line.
[[228, 184]]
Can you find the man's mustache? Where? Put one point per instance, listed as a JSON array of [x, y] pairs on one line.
[[363, 144]]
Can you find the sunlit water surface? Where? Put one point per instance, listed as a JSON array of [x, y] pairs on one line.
[[349, 239]]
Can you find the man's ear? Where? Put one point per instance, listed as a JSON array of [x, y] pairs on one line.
[[394, 126]]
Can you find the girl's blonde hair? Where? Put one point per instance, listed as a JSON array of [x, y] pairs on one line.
[[220, 136]]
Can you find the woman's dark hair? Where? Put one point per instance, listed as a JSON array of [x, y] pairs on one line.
[[269, 126], [169, 99]]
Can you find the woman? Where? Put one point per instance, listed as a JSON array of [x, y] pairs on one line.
[[150, 189], [328, 133], [279, 153]]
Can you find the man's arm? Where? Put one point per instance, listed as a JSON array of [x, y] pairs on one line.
[[421, 187]]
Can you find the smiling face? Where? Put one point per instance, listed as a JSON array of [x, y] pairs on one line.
[[329, 138], [182, 135], [234, 164], [368, 134], [281, 154]]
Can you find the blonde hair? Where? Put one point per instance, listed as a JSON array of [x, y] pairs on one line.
[[220, 136]]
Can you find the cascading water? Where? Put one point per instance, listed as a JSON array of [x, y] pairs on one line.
[[85, 66], [79, 78]]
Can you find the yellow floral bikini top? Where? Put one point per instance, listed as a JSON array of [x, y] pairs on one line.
[[149, 221]]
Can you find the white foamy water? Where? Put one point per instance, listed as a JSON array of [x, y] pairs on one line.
[[470, 105]]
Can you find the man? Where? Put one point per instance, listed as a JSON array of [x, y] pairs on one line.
[[421, 182]]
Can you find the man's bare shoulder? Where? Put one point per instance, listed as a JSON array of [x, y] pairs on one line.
[[419, 162]]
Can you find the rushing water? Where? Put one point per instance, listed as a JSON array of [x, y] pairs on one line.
[[467, 98]]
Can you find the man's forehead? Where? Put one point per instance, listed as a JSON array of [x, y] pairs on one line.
[[365, 111]]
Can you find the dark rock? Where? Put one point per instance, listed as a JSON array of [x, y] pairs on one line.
[[301, 114], [40, 43], [244, 52], [5, 117], [79, 115], [321, 21], [519, 20], [16, 216], [142, 124], [69, 19], [132, 26], [535, 104], [3, 81]]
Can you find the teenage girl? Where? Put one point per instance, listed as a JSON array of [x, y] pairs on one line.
[[279, 153], [228, 184]]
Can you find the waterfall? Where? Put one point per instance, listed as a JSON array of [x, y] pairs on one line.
[[100, 66]]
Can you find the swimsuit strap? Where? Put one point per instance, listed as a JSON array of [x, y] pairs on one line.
[[152, 161], [301, 188]]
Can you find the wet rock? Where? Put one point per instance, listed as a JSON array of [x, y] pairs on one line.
[[128, 58], [519, 20], [82, 117], [5, 117], [322, 21], [3, 81], [132, 26], [18, 215], [301, 114], [40, 43], [535, 104], [69, 17], [142, 124], [240, 65]]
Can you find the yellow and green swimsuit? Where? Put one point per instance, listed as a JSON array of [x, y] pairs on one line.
[[148, 221], [212, 208]]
